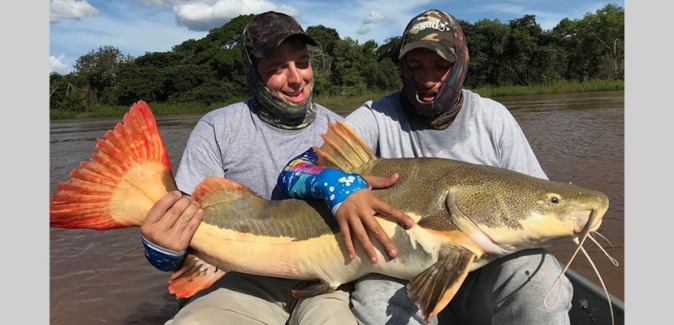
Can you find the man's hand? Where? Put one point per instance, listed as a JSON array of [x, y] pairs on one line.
[[357, 213], [172, 221]]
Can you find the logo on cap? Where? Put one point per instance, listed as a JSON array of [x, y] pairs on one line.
[[439, 25]]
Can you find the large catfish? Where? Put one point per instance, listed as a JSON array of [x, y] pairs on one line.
[[466, 215]]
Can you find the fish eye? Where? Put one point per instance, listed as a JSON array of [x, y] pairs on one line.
[[553, 198]]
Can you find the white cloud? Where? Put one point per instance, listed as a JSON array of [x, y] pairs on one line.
[[159, 2], [363, 29], [135, 35], [206, 15], [505, 8], [59, 64], [172, 2], [373, 18], [70, 9], [347, 17]]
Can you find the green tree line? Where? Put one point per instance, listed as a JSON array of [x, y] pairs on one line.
[[209, 70]]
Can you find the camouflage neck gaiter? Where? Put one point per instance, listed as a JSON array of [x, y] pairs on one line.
[[441, 112], [271, 108]]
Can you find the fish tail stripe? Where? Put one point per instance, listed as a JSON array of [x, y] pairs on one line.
[[133, 134], [193, 276], [68, 216], [142, 144], [105, 147], [103, 165], [82, 197], [85, 187], [117, 139], [147, 129], [119, 184], [94, 177], [91, 207]]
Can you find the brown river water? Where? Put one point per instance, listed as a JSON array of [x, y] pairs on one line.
[[103, 277]]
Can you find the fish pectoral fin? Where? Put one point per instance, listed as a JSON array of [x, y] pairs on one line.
[[436, 286], [193, 276], [311, 288]]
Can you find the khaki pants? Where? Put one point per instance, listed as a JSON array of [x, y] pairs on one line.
[[247, 299]]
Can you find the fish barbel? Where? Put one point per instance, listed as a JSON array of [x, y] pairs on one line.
[[467, 215]]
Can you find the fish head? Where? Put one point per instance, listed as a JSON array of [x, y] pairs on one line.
[[507, 214]]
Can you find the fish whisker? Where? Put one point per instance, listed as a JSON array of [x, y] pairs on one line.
[[606, 239], [608, 297], [583, 235], [559, 277], [613, 260]]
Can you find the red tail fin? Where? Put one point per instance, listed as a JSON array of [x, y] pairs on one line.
[[129, 172]]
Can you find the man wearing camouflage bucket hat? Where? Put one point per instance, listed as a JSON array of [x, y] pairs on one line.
[[249, 142], [432, 116]]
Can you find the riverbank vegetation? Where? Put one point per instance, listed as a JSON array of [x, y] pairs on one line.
[[513, 58]]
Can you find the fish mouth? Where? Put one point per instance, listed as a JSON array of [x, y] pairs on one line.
[[589, 220], [592, 224], [585, 221]]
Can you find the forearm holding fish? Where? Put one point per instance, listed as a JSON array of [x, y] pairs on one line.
[[164, 239], [302, 178]]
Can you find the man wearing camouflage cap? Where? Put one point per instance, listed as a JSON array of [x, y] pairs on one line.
[[249, 142], [432, 116]]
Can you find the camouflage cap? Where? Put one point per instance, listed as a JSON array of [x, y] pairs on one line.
[[432, 29], [267, 30]]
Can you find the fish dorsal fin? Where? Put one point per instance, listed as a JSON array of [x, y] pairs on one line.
[[435, 287], [219, 188], [343, 148], [193, 276]]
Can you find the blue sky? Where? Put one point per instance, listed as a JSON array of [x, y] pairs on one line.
[[138, 26]]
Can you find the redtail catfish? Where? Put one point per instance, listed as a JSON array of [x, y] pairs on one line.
[[466, 215]]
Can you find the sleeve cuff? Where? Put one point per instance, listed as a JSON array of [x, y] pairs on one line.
[[162, 259], [159, 249]]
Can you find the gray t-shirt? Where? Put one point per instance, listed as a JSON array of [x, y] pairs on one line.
[[233, 142], [484, 132]]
